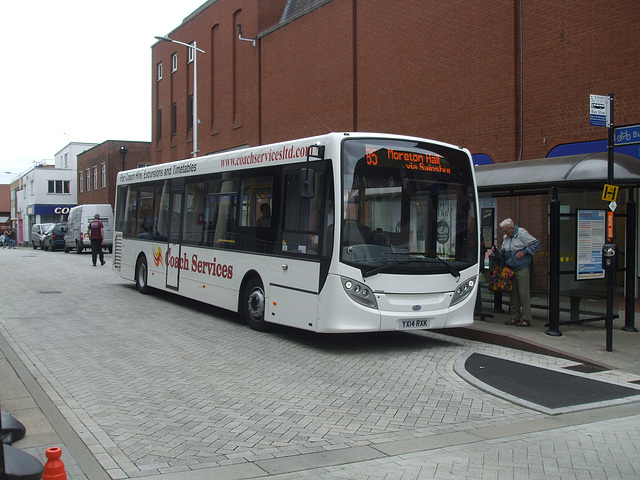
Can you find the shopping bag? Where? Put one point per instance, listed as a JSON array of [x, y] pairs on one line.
[[501, 279]]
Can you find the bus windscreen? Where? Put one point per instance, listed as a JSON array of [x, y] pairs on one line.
[[408, 207]]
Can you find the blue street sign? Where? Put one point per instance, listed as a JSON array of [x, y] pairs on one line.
[[628, 135]]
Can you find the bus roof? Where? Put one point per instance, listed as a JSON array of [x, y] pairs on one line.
[[290, 151]]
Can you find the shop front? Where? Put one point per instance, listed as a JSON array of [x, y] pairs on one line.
[[53, 213]]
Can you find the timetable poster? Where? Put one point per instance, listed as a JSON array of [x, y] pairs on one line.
[[591, 226]]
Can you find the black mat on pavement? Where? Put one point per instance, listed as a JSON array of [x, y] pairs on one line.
[[548, 388]]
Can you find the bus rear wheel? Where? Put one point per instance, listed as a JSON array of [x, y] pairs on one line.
[[141, 276], [253, 305]]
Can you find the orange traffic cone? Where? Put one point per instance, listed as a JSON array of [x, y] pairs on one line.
[[54, 468]]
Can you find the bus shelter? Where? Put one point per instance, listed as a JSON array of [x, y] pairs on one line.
[[560, 201]]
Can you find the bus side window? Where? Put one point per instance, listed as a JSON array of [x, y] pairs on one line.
[[193, 233], [226, 223], [145, 212], [301, 216], [163, 224], [153, 232], [128, 227]]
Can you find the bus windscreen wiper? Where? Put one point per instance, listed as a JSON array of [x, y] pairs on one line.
[[374, 271], [452, 270], [419, 257]]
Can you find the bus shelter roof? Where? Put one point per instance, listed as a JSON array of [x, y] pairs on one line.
[[571, 171]]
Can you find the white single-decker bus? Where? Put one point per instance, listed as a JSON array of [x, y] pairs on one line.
[[344, 232]]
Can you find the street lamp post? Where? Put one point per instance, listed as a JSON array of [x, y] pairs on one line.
[[195, 87], [18, 177], [123, 152]]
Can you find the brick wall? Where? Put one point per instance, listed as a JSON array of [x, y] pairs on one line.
[[443, 70], [108, 153], [571, 50], [508, 79], [228, 87], [307, 75]]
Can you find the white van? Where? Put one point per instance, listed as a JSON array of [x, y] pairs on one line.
[[79, 219]]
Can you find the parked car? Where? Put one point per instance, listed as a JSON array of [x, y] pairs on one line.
[[54, 238], [38, 232]]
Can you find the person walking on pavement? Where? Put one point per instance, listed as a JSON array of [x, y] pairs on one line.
[[518, 249], [96, 235]]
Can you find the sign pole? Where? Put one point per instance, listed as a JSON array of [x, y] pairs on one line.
[[610, 273], [630, 288], [610, 141]]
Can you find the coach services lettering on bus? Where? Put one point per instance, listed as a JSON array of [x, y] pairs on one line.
[[285, 153], [213, 269]]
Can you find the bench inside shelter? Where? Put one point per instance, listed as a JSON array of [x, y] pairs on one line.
[[584, 305]]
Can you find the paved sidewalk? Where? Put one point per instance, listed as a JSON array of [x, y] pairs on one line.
[[193, 394], [586, 342]]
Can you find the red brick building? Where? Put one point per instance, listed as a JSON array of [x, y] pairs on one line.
[[506, 79], [99, 166], [510, 80], [5, 207]]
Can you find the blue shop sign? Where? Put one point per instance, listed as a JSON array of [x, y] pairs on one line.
[[50, 209]]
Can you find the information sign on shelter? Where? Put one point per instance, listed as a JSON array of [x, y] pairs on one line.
[[591, 226]]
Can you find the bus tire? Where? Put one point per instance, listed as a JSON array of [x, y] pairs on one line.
[[141, 275], [253, 305]]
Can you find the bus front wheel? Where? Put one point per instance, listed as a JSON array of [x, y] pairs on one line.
[[254, 305], [141, 275]]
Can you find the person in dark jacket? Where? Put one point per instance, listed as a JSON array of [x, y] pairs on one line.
[[96, 235], [518, 249]]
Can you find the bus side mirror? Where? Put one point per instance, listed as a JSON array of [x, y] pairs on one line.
[[307, 183], [315, 151]]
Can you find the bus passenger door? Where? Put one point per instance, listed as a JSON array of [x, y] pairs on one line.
[[295, 286], [174, 254]]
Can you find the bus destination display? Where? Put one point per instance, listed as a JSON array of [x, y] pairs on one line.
[[424, 161]]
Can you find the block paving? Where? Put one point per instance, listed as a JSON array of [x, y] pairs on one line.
[[158, 386]]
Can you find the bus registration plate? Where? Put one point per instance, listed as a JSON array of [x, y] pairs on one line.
[[413, 324]]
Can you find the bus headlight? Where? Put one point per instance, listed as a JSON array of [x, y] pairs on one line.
[[462, 291], [359, 292]]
